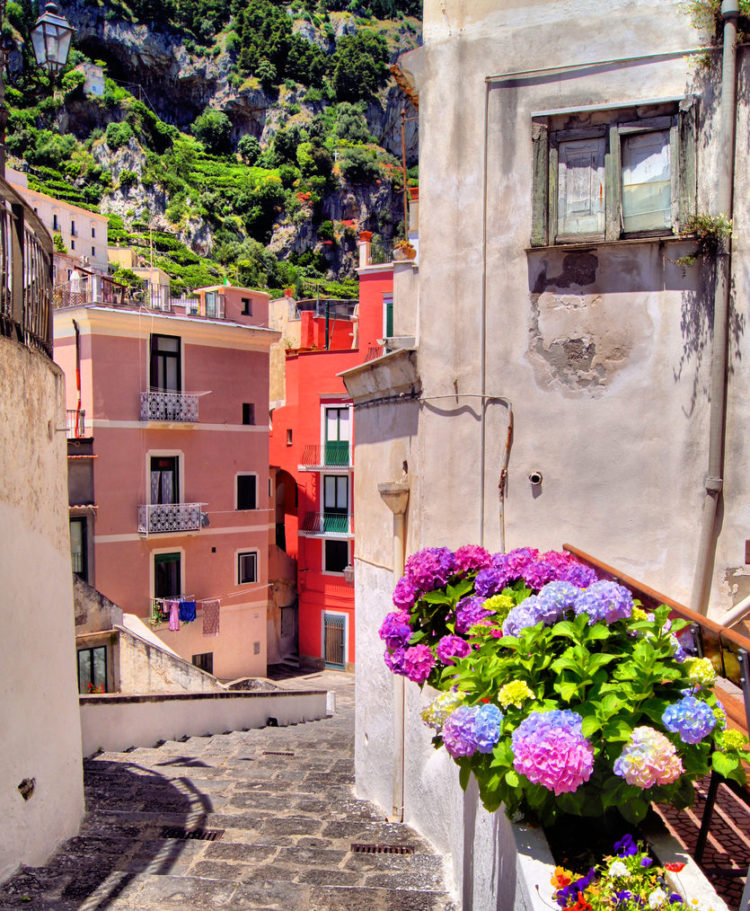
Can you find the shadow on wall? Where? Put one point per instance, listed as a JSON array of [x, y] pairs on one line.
[[115, 846]]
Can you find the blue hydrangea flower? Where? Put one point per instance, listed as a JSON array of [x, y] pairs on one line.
[[554, 599], [604, 602], [691, 718], [520, 617], [487, 724]]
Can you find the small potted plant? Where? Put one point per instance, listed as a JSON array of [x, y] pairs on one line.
[[403, 250]]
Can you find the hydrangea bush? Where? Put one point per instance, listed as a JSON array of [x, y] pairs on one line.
[[558, 692]]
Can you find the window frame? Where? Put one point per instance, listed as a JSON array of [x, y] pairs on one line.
[[91, 649], [167, 552], [339, 541], [82, 522], [679, 117], [154, 355], [238, 563]]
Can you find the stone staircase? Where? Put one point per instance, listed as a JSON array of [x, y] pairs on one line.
[[260, 819]]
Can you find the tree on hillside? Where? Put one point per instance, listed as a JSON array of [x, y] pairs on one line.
[[214, 129], [360, 66]]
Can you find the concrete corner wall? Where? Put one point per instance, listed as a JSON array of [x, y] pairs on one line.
[[39, 715]]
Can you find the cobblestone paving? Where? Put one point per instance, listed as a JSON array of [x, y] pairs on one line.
[[288, 821], [727, 854]]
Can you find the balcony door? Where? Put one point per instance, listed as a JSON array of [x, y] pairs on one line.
[[165, 479], [338, 435], [335, 503], [165, 374]]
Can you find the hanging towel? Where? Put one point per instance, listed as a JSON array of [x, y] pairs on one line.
[[211, 618], [187, 611], [174, 615]]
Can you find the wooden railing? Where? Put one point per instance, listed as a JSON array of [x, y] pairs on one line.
[[25, 273]]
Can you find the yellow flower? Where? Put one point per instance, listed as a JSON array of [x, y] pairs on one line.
[[514, 693]]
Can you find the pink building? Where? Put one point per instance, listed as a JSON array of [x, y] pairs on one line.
[[169, 467]]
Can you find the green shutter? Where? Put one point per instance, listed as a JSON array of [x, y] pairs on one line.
[[687, 175], [540, 198]]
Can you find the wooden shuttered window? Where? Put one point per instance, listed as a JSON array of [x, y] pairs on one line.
[[608, 181]]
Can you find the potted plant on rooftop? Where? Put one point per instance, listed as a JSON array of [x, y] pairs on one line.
[[557, 692]]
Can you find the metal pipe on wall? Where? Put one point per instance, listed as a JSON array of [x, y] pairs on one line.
[[718, 385]]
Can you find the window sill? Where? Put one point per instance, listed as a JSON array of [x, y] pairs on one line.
[[623, 241]]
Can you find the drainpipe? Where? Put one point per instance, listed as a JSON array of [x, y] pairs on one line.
[[717, 415], [78, 376], [395, 495]]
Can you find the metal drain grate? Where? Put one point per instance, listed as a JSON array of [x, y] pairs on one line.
[[381, 849], [197, 834], [277, 753]]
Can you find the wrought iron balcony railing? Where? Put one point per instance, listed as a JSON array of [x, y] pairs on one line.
[[328, 523], [334, 455], [25, 273], [76, 421], [169, 406], [168, 518]]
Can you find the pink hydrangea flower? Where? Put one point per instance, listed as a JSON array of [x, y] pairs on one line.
[[549, 749], [418, 662]]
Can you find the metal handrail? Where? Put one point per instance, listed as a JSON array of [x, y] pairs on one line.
[[26, 252]]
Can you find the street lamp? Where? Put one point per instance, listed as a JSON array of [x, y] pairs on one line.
[[50, 37]]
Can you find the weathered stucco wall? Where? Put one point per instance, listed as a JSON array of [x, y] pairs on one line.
[[601, 351], [38, 694]]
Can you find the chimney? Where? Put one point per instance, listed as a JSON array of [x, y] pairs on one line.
[[365, 257], [413, 210]]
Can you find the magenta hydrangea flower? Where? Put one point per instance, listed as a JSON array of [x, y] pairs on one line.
[[405, 594], [395, 630], [648, 759], [537, 573], [418, 662], [470, 611], [394, 661], [549, 749], [450, 647], [430, 568], [691, 718], [604, 602], [471, 558]]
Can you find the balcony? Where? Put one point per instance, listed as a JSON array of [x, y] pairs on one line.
[[25, 273], [327, 523], [169, 518], [180, 407], [335, 454]]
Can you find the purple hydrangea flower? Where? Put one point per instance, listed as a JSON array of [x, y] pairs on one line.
[[604, 602], [468, 612], [430, 568], [490, 581], [521, 617], [554, 599], [537, 573], [549, 749], [395, 630], [418, 662], [471, 558], [405, 594], [395, 661], [450, 647], [487, 725], [579, 575], [691, 718], [458, 731]]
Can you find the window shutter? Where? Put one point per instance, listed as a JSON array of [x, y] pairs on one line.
[[540, 183], [687, 174], [580, 187]]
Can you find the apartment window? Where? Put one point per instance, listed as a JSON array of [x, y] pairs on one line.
[[212, 303], [78, 549], [247, 306], [93, 232], [73, 232], [337, 436], [247, 491], [610, 174], [167, 575], [93, 251], [388, 315], [92, 669], [289, 437], [247, 567], [165, 371], [55, 223], [164, 479], [205, 661], [248, 413], [72, 245], [335, 503], [335, 556]]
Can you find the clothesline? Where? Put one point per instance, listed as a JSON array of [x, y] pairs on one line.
[[183, 609]]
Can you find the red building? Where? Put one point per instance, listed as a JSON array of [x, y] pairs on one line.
[[311, 447]]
